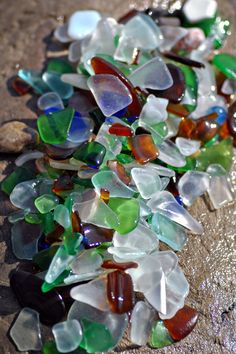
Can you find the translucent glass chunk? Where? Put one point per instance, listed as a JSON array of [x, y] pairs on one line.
[[61, 34], [83, 23], [144, 78], [33, 78], [110, 93], [165, 204], [147, 181], [68, 335], [62, 216], [169, 153], [76, 80], [193, 184], [46, 202], [28, 156], [187, 147], [75, 51], [53, 80], [24, 193], [26, 332], [49, 100], [86, 261], [196, 10], [81, 129], [172, 35], [229, 87], [154, 111], [111, 142]]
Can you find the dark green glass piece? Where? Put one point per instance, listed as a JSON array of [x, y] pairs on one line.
[[59, 66], [72, 242], [43, 258], [92, 153], [20, 174], [59, 281], [226, 63]]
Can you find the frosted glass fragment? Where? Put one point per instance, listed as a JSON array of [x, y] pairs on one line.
[[62, 216], [111, 142], [75, 51], [24, 193], [78, 278], [169, 153], [110, 93], [26, 332], [123, 254], [172, 35], [76, 80], [68, 335], [153, 75], [50, 100], [229, 87], [82, 23], [28, 156], [165, 204], [46, 202], [61, 34], [197, 10], [147, 181], [154, 111], [191, 185], [187, 147], [86, 261]]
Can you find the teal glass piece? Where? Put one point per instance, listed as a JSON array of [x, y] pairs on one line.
[[21, 174], [46, 203], [60, 66], [33, 78], [62, 216], [92, 153], [226, 63], [160, 336], [53, 80], [54, 128]]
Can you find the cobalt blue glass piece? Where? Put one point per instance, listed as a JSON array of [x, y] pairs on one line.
[[51, 110], [179, 200], [222, 114], [80, 129], [121, 113]]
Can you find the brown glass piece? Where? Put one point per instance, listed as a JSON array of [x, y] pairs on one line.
[[55, 235], [105, 195], [101, 66], [186, 128], [94, 235], [120, 266], [76, 222], [184, 60], [177, 109], [143, 148], [119, 169], [182, 323], [176, 92], [232, 119], [20, 86], [120, 291], [63, 183], [126, 17]]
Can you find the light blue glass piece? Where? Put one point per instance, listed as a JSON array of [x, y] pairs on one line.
[[222, 114], [80, 130], [83, 23], [110, 93], [53, 80], [68, 335], [169, 232], [33, 78], [154, 111], [62, 216]]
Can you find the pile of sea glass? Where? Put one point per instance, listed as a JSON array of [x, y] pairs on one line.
[[134, 126]]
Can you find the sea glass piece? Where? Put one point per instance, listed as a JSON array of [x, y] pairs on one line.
[[53, 80], [143, 148], [220, 153], [119, 169], [91, 153], [154, 110], [75, 52], [20, 174], [50, 100], [147, 181], [222, 114], [165, 204], [187, 147], [26, 332], [144, 76], [109, 264], [27, 288], [46, 203], [120, 292], [110, 181], [62, 216], [232, 119], [60, 262], [172, 35], [68, 335], [182, 323], [82, 23], [169, 153], [226, 63], [120, 130], [24, 193], [61, 34], [86, 261], [160, 336], [141, 323], [59, 65], [101, 66], [94, 235], [28, 156], [196, 11], [85, 293], [116, 323], [76, 80], [20, 86], [191, 185], [110, 93], [33, 78], [229, 87], [175, 93], [54, 128], [169, 232], [24, 239], [111, 142], [127, 211]]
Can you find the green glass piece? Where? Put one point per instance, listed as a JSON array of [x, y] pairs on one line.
[[50, 348], [206, 25], [33, 218], [43, 258], [81, 69], [124, 158], [189, 166], [221, 31], [226, 63], [96, 337], [127, 211], [72, 242], [82, 182], [58, 281], [46, 203], [53, 128], [125, 143], [20, 174], [59, 66], [92, 153], [33, 78], [212, 141], [62, 216], [191, 90], [69, 202], [221, 153], [161, 129], [160, 336], [48, 223]]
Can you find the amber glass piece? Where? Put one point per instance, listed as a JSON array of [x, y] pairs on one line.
[[225, 131], [186, 128], [182, 323], [177, 109], [126, 17], [176, 92], [63, 183], [205, 130], [55, 235], [101, 66], [184, 60], [94, 235], [143, 148], [120, 130], [120, 291], [109, 264], [105, 195], [76, 222], [20, 86], [232, 119], [119, 169]]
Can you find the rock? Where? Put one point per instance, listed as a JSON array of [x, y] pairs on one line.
[[15, 136]]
